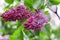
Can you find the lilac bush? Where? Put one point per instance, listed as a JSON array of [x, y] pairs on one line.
[[34, 20]]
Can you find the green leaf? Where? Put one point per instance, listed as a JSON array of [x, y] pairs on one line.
[[29, 3], [55, 2], [57, 32], [18, 23], [48, 28], [6, 7], [45, 32], [46, 12], [27, 32], [18, 0], [41, 5], [37, 32], [18, 33], [43, 36], [9, 1]]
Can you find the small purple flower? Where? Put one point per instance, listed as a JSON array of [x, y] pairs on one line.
[[36, 21]]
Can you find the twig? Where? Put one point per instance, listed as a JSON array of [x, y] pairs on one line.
[[55, 12]]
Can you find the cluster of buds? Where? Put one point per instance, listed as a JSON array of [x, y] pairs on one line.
[[36, 21], [17, 13]]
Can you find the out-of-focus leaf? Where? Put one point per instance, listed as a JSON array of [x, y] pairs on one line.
[[41, 5], [27, 32], [37, 32], [36, 4], [6, 7], [46, 12], [21, 37], [43, 36], [57, 32], [17, 34], [7, 29], [9, 1], [18, 0], [18, 30], [45, 32], [55, 2], [29, 3], [18, 23], [48, 27]]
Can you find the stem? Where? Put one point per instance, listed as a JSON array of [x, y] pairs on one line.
[[49, 37], [56, 12]]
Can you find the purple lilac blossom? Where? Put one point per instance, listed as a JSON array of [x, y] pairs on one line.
[[36, 21], [17, 13], [8, 15]]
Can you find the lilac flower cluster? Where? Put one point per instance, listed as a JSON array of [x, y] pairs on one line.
[[9, 14], [36, 21], [17, 13]]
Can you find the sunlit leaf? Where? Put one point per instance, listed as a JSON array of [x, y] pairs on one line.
[[6, 7], [29, 3], [17, 33], [9, 1], [55, 2], [43, 36], [18, 0], [46, 12], [41, 5]]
